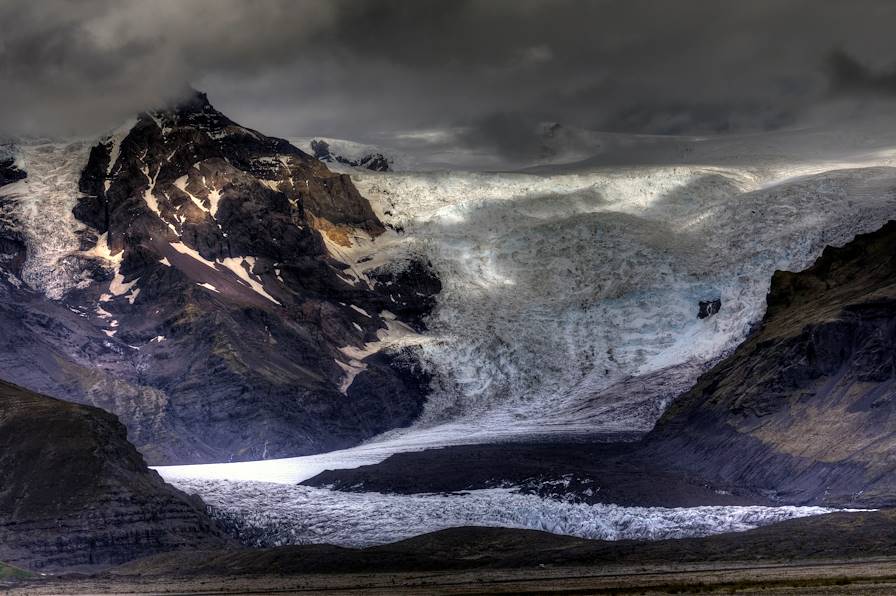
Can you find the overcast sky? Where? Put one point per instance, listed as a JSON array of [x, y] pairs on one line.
[[368, 69]]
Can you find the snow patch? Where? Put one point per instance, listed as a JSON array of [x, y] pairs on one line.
[[242, 267], [118, 286], [396, 335], [360, 310]]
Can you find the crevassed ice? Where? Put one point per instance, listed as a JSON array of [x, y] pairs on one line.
[[43, 203], [280, 514], [559, 288]]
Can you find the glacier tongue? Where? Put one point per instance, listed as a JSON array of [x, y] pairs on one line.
[[570, 302], [569, 307], [275, 515]]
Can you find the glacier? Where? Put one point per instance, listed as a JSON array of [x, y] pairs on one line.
[[41, 205], [565, 296]]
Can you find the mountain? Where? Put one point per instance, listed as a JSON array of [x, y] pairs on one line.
[[74, 492], [206, 284]]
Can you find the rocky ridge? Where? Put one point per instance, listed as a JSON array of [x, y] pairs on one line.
[[803, 411], [376, 162]]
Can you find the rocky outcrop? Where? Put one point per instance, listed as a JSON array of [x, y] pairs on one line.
[[223, 310], [707, 308], [74, 492]]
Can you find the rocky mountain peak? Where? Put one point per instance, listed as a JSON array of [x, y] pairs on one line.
[[225, 279]]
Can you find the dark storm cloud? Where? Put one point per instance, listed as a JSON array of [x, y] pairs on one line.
[[493, 69], [849, 76]]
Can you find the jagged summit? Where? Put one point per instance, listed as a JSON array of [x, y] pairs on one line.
[[194, 109]]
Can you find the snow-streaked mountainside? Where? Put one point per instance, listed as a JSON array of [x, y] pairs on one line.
[[275, 515]]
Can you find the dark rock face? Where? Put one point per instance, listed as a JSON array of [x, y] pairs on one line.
[[373, 161], [9, 173], [215, 321], [708, 308], [412, 290], [12, 241], [74, 492]]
